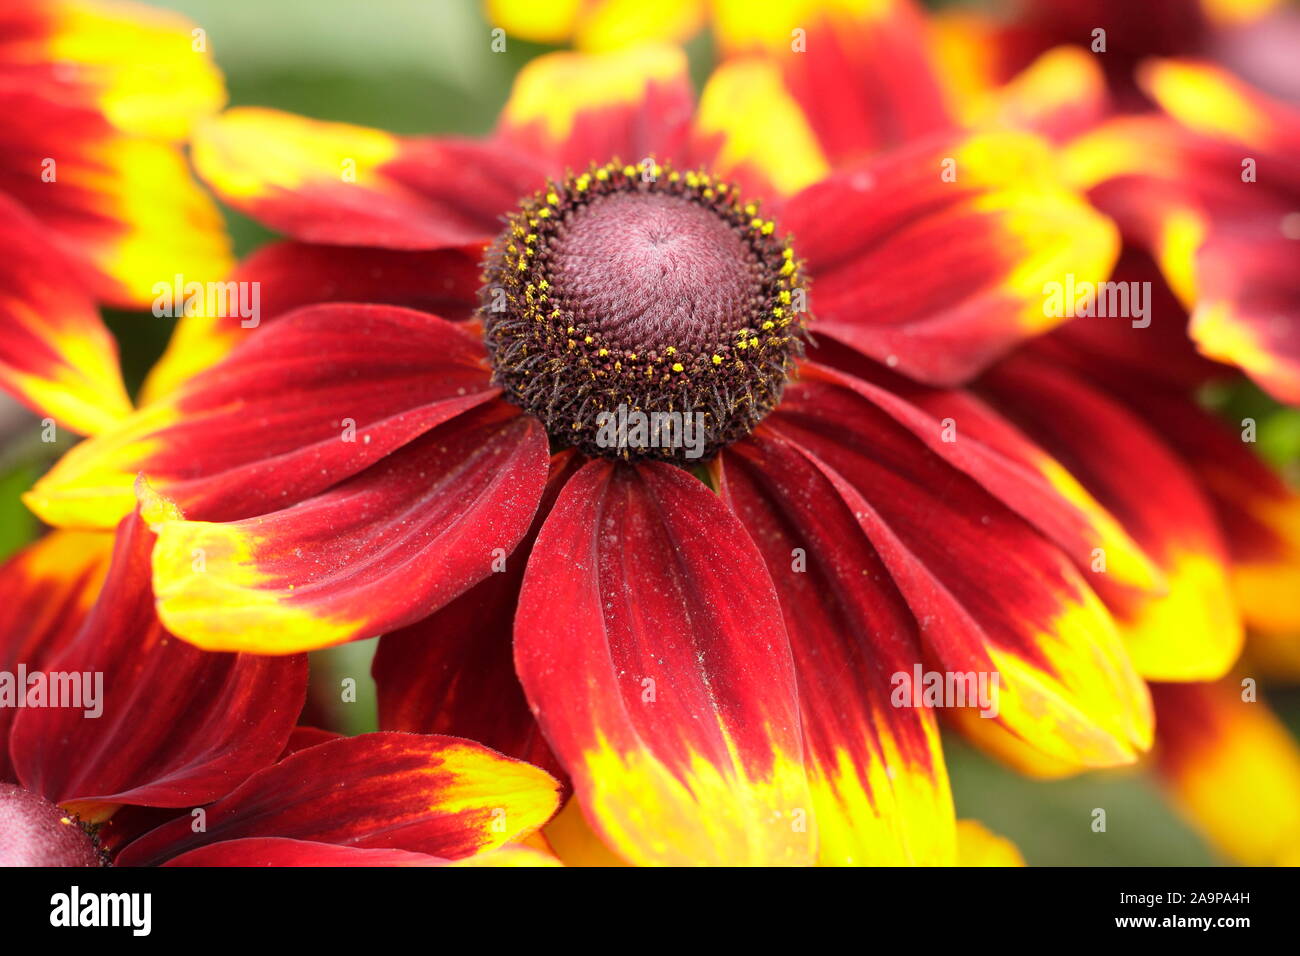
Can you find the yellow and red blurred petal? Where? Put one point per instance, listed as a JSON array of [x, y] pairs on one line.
[[351, 185], [650, 643], [443, 796], [860, 69], [126, 207], [977, 228], [1248, 312], [141, 67], [1213, 194], [755, 132], [1258, 512], [289, 275], [1061, 93], [453, 672], [56, 356], [1211, 102], [1065, 683], [879, 785], [1117, 354], [371, 555], [1191, 631], [314, 398], [573, 109], [1232, 768], [46, 590], [977, 845], [169, 726]]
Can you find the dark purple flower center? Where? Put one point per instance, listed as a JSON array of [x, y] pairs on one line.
[[655, 301], [34, 832]]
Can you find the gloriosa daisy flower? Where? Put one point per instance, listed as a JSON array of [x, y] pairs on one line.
[[710, 666], [833, 264]]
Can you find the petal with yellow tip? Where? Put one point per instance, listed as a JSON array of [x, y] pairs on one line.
[[312, 399], [1232, 768], [940, 257], [351, 185], [56, 356], [650, 644], [441, 796], [574, 109], [370, 555]]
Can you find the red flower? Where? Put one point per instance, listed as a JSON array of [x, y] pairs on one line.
[[713, 671]]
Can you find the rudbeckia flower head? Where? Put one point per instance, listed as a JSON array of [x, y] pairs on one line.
[[648, 289]]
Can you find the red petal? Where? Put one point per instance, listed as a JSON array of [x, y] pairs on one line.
[[879, 787], [276, 851], [976, 439], [176, 727], [1191, 631], [437, 795], [56, 356], [46, 590], [863, 77], [991, 595], [937, 276], [289, 275], [348, 185], [454, 671], [318, 396], [573, 109], [649, 641], [375, 553]]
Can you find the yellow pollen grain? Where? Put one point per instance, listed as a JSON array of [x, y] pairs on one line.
[[552, 199], [677, 367]]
